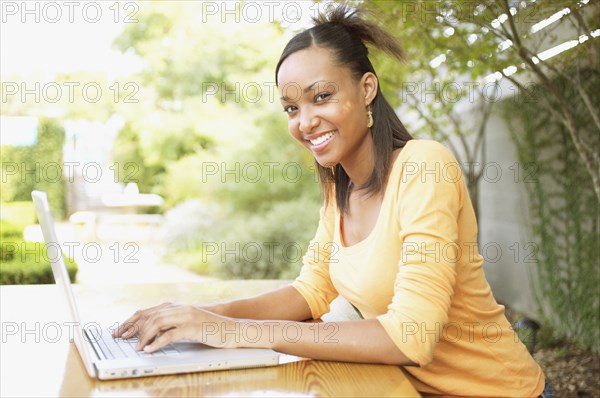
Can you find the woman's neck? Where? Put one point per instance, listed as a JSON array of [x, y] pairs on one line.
[[359, 165]]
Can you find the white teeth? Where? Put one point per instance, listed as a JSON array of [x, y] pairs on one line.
[[321, 139]]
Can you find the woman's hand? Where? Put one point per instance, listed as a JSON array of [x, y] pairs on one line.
[[166, 323]]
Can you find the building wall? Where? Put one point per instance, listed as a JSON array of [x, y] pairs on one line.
[[504, 221]]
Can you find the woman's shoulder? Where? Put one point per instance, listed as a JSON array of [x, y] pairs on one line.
[[426, 160], [419, 152], [424, 149]]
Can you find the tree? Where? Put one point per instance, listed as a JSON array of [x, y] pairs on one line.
[[564, 216], [489, 40], [203, 90], [209, 131], [38, 166]]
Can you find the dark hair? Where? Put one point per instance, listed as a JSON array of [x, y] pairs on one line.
[[342, 31]]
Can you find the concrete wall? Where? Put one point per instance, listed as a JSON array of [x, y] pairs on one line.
[[505, 237]]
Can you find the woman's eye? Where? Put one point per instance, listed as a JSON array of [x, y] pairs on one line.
[[289, 109], [322, 97]]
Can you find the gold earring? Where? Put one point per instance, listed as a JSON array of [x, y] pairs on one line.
[[370, 117]]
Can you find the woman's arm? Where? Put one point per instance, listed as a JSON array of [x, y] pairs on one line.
[[351, 341], [363, 341], [264, 321], [283, 303]]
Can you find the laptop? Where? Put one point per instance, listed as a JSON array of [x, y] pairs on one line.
[[105, 357]]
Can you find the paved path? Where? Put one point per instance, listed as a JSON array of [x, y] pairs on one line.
[[117, 260], [129, 263]]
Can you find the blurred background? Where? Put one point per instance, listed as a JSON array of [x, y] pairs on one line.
[[156, 130]]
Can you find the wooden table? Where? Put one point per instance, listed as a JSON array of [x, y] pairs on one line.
[[37, 358]]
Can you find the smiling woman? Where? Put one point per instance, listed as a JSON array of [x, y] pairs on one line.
[[397, 238], [333, 54]]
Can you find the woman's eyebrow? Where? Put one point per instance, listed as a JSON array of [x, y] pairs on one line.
[[306, 90]]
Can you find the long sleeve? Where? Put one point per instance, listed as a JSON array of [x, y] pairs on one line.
[[314, 282], [430, 199]]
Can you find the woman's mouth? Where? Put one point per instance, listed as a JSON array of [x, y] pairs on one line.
[[318, 144]]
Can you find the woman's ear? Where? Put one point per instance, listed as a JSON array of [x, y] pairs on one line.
[[369, 85]]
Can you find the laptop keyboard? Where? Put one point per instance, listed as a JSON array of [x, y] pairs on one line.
[[125, 348]]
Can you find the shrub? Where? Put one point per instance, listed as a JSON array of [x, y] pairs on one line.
[[19, 214], [45, 157], [26, 263], [29, 264], [189, 222], [8, 249], [269, 245], [8, 232], [192, 259], [186, 226], [565, 215]]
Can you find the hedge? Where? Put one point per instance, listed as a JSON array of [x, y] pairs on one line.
[[38, 166], [26, 263], [19, 214]]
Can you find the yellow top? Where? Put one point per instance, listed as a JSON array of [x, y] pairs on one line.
[[419, 272]]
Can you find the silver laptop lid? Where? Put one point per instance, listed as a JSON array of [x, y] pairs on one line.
[[59, 270]]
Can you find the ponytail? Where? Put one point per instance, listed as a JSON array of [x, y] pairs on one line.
[[366, 31], [343, 31]]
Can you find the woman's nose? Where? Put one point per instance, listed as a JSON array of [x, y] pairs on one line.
[[308, 122]]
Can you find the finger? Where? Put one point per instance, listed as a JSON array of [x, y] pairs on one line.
[[164, 339], [135, 322], [123, 330], [158, 322], [151, 337], [132, 331], [128, 325]]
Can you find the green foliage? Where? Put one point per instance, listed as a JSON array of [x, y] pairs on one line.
[[270, 208], [468, 34], [457, 51], [16, 187], [180, 69], [147, 167], [421, 31], [194, 100], [273, 207], [268, 245], [9, 229], [241, 244], [565, 215], [146, 147], [19, 214], [30, 264], [548, 338], [26, 263], [39, 166], [192, 259], [202, 133], [276, 169], [9, 232]]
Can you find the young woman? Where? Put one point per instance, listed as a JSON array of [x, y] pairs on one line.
[[396, 238]]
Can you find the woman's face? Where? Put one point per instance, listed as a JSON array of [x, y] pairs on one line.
[[326, 107]]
